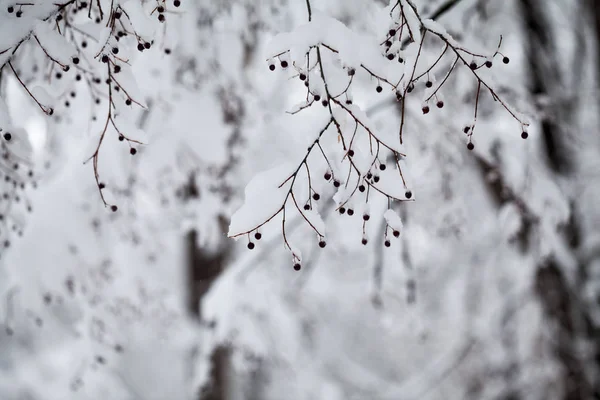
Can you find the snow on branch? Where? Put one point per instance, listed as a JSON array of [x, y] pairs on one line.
[[88, 41], [326, 56]]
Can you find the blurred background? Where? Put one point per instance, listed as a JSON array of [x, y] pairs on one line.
[[492, 291]]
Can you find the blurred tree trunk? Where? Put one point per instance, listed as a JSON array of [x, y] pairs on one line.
[[203, 268], [558, 289]]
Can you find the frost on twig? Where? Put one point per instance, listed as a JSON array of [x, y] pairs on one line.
[[326, 57]]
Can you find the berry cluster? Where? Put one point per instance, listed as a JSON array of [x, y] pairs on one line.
[[369, 160], [97, 73]]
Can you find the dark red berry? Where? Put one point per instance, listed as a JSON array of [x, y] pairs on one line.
[[376, 178], [382, 167], [440, 104], [350, 153], [322, 244], [408, 194], [391, 56], [284, 64], [336, 183], [7, 136], [425, 109], [470, 146], [250, 245], [317, 97], [316, 196], [379, 89], [114, 208], [524, 135], [177, 3], [428, 84], [362, 188], [364, 241], [488, 64], [306, 207], [297, 267], [105, 59], [257, 235], [366, 217], [302, 77], [351, 71], [342, 210], [466, 129], [350, 212], [132, 151], [387, 243], [506, 60], [396, 233], [140, 47], [327, 176], [473, 65], [147, 45]]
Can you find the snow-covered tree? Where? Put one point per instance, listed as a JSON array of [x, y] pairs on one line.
[[406, 242]]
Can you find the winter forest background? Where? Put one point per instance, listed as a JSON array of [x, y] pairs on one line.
[[117, 276]]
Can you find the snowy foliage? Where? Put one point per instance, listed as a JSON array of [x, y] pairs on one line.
[[406, 242]]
